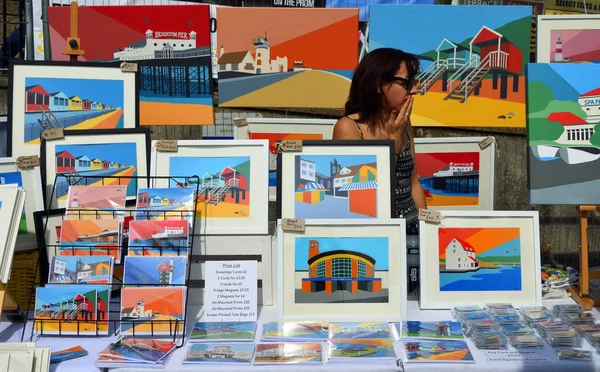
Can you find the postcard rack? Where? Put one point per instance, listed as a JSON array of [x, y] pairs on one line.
[[112, 313]]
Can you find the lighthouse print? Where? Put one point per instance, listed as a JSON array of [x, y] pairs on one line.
[[558, 56]]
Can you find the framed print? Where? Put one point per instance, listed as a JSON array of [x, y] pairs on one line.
[[336, 179], [478, 257], [281, 129], [90, 158], [69, 95], [30, 180], [343, 270], [232, 197], [456, 173], [568, 38], [3, 136]]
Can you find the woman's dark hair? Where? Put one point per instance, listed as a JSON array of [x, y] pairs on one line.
[[376, 68]]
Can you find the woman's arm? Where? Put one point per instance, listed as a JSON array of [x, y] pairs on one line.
[[418, 194]]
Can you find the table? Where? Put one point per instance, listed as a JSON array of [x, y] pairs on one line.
[[12, 333]]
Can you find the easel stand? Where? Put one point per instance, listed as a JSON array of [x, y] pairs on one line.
[[581, 296]]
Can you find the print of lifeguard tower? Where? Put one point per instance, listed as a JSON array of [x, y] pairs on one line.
[[462, 69], [215, 187]]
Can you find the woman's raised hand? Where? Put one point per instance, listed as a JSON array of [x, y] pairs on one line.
[[399, 120]]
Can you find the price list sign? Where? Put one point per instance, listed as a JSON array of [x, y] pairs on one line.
[[231, 291]]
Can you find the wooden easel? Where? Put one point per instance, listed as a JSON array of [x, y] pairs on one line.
[[581, 296], [73, 46]]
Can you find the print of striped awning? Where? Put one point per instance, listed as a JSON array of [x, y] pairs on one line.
[[312, 186], [359, 186], [96, 278], [62, 278]]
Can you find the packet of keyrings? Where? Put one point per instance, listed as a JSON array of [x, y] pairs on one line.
[[574, 354], [526, 341]]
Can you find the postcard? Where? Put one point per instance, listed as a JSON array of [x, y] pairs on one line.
[[96, 202], [432, 330], [81, 269], [240, 353], [155, 270], [138, 349], [437, 351], [359, 348], [159, 238], [165, 204], [64, 310], [152, 311], [359, 330], [288, 353], [296, 331], [91, 238], [103, 302], [228, 331], [70, 353]]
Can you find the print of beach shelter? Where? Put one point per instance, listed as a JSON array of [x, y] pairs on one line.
[[362, 191], [311, 193]]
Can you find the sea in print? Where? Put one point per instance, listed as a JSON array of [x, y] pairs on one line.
[[480, 259]]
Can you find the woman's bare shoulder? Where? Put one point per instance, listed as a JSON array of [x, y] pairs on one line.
[[346, 128]]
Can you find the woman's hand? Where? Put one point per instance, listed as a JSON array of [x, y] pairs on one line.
[[399, 120]]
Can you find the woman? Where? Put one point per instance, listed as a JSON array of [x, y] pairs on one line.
[[378, 107]]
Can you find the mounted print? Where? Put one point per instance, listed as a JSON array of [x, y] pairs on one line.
[[563, 133], [72, 96], [478, 257], [456, 173], [346, 278], [170, 44], [231, 194], [274, 57], [472, 72], [568, 38], [281, 129], [336, 179], [30, 180], [94, 158]]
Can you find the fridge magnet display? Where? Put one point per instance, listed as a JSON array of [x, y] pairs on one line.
[[232, 197], [223, 331], [30, 180], [158, 238], [288, 353], [75, 270], [90, 238], [73, 96], [437, 352], [456, 173], [96, 202], [278, 57], [348, 277], [563, 133], [336, 179], [154, 270], [479, 257], [160, 204], [152, 311], [281, 129], [170, 44], [119, 153], [568, 38], [222, 353], [473, 73]]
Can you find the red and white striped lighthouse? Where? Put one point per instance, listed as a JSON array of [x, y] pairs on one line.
[[558, 55]]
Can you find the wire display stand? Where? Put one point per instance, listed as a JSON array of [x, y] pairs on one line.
[[76, 318]]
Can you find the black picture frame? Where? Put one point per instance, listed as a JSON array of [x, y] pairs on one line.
[[99, 65], [91, 133], [341, 143]]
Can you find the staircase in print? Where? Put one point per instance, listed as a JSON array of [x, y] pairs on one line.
[[463, 90], [219, 192], [49, 121], [430, 75]]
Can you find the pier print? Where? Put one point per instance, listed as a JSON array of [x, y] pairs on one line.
[[158, 238], [224, 189], [449, 178], [480, 259], [90, 238]]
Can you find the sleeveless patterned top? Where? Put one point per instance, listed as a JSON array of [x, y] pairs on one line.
[[404, 204]]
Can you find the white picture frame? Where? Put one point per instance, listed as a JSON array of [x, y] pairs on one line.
[[257, 202], [244, 128], [548, 23], [394, 230], [455, 146], [12, 202], [87, 139], [524, 224], [32, 184]]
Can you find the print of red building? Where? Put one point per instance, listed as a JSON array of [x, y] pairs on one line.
[[234, 178], [65, 162], [144, 200], [36, 98], [86, 104], [105, 164]]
